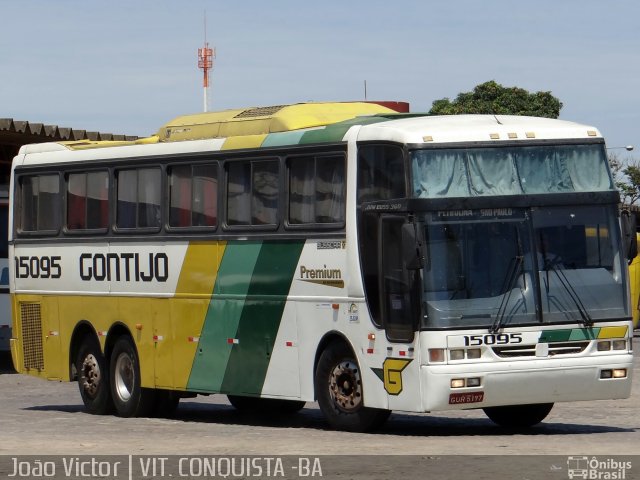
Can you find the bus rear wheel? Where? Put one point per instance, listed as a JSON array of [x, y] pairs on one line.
[[93, 377], [129, 398], [519, 416], [265, 405], [338, 385]]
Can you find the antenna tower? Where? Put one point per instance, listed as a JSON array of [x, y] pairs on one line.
[[206, 56]]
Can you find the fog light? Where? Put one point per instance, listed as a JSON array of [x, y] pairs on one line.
[[457, 354], [457, 383], [474, 353], [606, 374], [619, 344], [473, 382], [436, 355], [604, 346], [619, 373]]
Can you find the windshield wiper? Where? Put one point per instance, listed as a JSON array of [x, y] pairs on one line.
[[509, 283], [586, 320]]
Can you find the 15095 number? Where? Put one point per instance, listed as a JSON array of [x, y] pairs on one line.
[[38, 267], [492, 339]]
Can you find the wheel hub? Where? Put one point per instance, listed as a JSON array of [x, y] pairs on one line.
[[345, 386], [124, 377], [91, 375]]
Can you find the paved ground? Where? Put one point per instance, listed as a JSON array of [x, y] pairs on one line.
[[48, 418]]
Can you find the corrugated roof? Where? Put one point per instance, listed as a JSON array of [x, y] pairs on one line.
[[19, 132]]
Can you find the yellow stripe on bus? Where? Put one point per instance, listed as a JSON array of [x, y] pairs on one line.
[[613, 332]]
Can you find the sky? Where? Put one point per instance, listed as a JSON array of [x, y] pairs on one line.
[[130, 66]]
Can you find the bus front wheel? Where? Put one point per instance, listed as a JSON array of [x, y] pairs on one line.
[[129, 398], [519, 416], [93, 377], [338, 385]]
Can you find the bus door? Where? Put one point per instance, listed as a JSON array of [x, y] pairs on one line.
[[400, 311]]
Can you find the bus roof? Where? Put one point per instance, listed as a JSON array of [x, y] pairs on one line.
[[313, 123]]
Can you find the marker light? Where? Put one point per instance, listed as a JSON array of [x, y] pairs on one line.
[[604, 346], [457, 354], [619, 344], [474, 353], [436, 355]]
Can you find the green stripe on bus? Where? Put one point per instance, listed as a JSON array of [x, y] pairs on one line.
[[555, 336], [261, 316], [223, 316]]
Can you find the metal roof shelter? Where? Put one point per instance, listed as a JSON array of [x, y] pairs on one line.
[[15, 133]]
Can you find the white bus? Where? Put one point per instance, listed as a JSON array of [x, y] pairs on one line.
[[338, 252]]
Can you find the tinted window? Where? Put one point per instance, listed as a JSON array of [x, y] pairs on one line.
[[88, 201], [193, 196], [138, 198], [252, 192], [40, 195]]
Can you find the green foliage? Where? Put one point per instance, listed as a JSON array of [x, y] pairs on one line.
[[627, 178], [492, 98]]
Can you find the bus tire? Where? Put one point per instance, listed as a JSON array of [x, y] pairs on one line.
[[129, 398], [265, 405], [338, 386], [519, 416], [93, 377]]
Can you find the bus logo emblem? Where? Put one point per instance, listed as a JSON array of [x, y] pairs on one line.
[[391, 374]]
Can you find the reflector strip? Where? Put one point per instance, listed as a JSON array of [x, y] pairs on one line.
[[288, 343], [369, 350], [193, 339], [158, 338], [102, 334], [54, 333], [233, 341]]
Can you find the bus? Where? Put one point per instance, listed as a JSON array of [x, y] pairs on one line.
[[344, 253], [5, 304]]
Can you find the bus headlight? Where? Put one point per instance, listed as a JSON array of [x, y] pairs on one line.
[[604, 346], [619, 344]]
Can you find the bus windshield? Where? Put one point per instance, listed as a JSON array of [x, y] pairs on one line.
[[522, 266], [470, 172]]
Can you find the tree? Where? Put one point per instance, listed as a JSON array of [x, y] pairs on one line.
[[492, 98], [626, 176]]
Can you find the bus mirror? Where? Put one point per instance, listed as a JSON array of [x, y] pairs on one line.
[[412, 247], [630, 242]]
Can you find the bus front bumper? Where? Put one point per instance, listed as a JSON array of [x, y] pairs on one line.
[[525, 382]]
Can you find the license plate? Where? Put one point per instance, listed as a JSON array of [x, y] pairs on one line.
[[466, 397]]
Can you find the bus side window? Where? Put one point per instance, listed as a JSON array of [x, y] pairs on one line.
[[316, 190], [253, 188], [88, 201], [40, 200], [193, 197], [138, 198], [380, 173]]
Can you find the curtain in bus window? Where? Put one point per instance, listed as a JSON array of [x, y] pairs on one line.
[[330, 190], [302, 190], [542, 170], [239, 193], [492, 172], [76, 201], [48, 202], [149, 197], [180, 196], [587, 167], [264, 198], [29, 191], [127, 195], [439, 173], [205, 196], [97, 200]]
